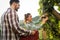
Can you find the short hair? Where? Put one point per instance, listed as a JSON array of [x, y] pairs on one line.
[[11, 1]]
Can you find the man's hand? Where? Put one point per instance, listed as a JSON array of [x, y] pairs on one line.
[[33, 32]]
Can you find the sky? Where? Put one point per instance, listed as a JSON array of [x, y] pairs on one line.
[[26, 6]]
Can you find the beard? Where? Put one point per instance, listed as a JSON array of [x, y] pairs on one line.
[[16, 9]]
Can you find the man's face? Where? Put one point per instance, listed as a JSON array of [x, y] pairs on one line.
[[17, 5]]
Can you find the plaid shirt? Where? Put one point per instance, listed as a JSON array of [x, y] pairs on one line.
[[10, 26]]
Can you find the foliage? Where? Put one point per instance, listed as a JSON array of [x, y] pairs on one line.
[[53, 25]]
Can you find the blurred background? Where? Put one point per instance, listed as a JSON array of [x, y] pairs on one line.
[[35, 7]]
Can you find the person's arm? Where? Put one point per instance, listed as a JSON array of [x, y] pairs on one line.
[[42, 22], [12, 18], [37, 20]]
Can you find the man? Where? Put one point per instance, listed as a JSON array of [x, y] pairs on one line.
[[10, 23]]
